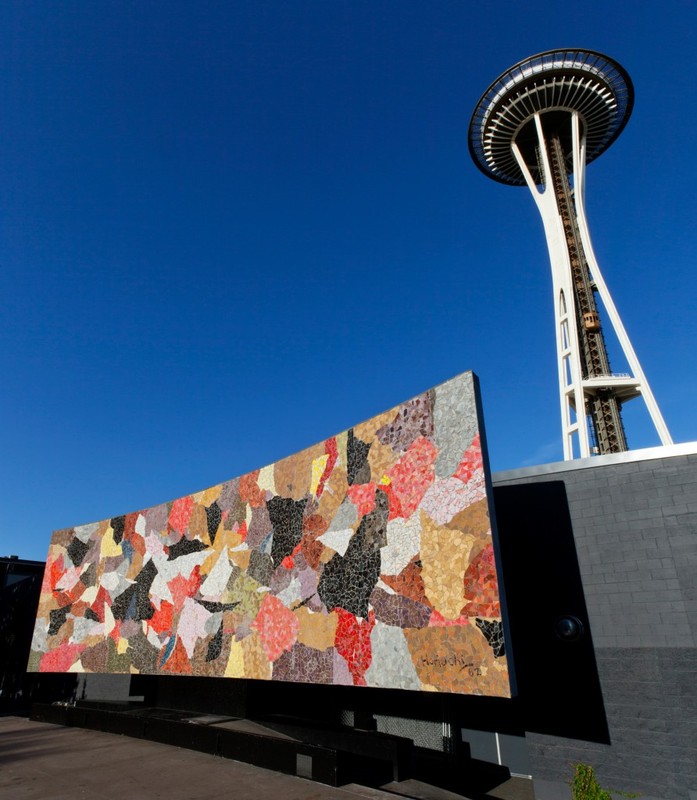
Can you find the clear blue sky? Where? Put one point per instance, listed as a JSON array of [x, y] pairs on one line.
[[231, 229]]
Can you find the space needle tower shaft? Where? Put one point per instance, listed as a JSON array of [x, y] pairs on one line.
[[539, 125]]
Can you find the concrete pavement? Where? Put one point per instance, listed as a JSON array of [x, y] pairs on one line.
[[40, 761]]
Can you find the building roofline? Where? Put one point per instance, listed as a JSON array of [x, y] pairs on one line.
[[646, 454]]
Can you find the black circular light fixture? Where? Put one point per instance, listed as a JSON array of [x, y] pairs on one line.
[[569, 628]]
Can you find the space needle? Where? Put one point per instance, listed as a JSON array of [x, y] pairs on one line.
[[539, 124]]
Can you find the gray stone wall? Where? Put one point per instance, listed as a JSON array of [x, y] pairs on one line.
[[634, 521]]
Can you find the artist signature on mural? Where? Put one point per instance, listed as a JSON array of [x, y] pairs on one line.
[[452, 660]]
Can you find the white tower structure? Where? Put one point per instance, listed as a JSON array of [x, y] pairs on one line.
[[539, 124]]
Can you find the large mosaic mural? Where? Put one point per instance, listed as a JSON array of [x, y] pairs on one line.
[[365, 560]]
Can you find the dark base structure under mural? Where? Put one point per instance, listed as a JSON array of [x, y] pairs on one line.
[[596, 557]]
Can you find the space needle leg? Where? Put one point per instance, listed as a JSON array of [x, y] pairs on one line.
[[579, 171], [571, 395]]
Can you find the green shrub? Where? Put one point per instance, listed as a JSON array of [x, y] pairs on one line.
[[585, 786]]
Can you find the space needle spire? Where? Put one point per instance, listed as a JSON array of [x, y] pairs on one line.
[[539, 124]]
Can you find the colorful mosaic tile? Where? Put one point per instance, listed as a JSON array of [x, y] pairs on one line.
[[365, 560]]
